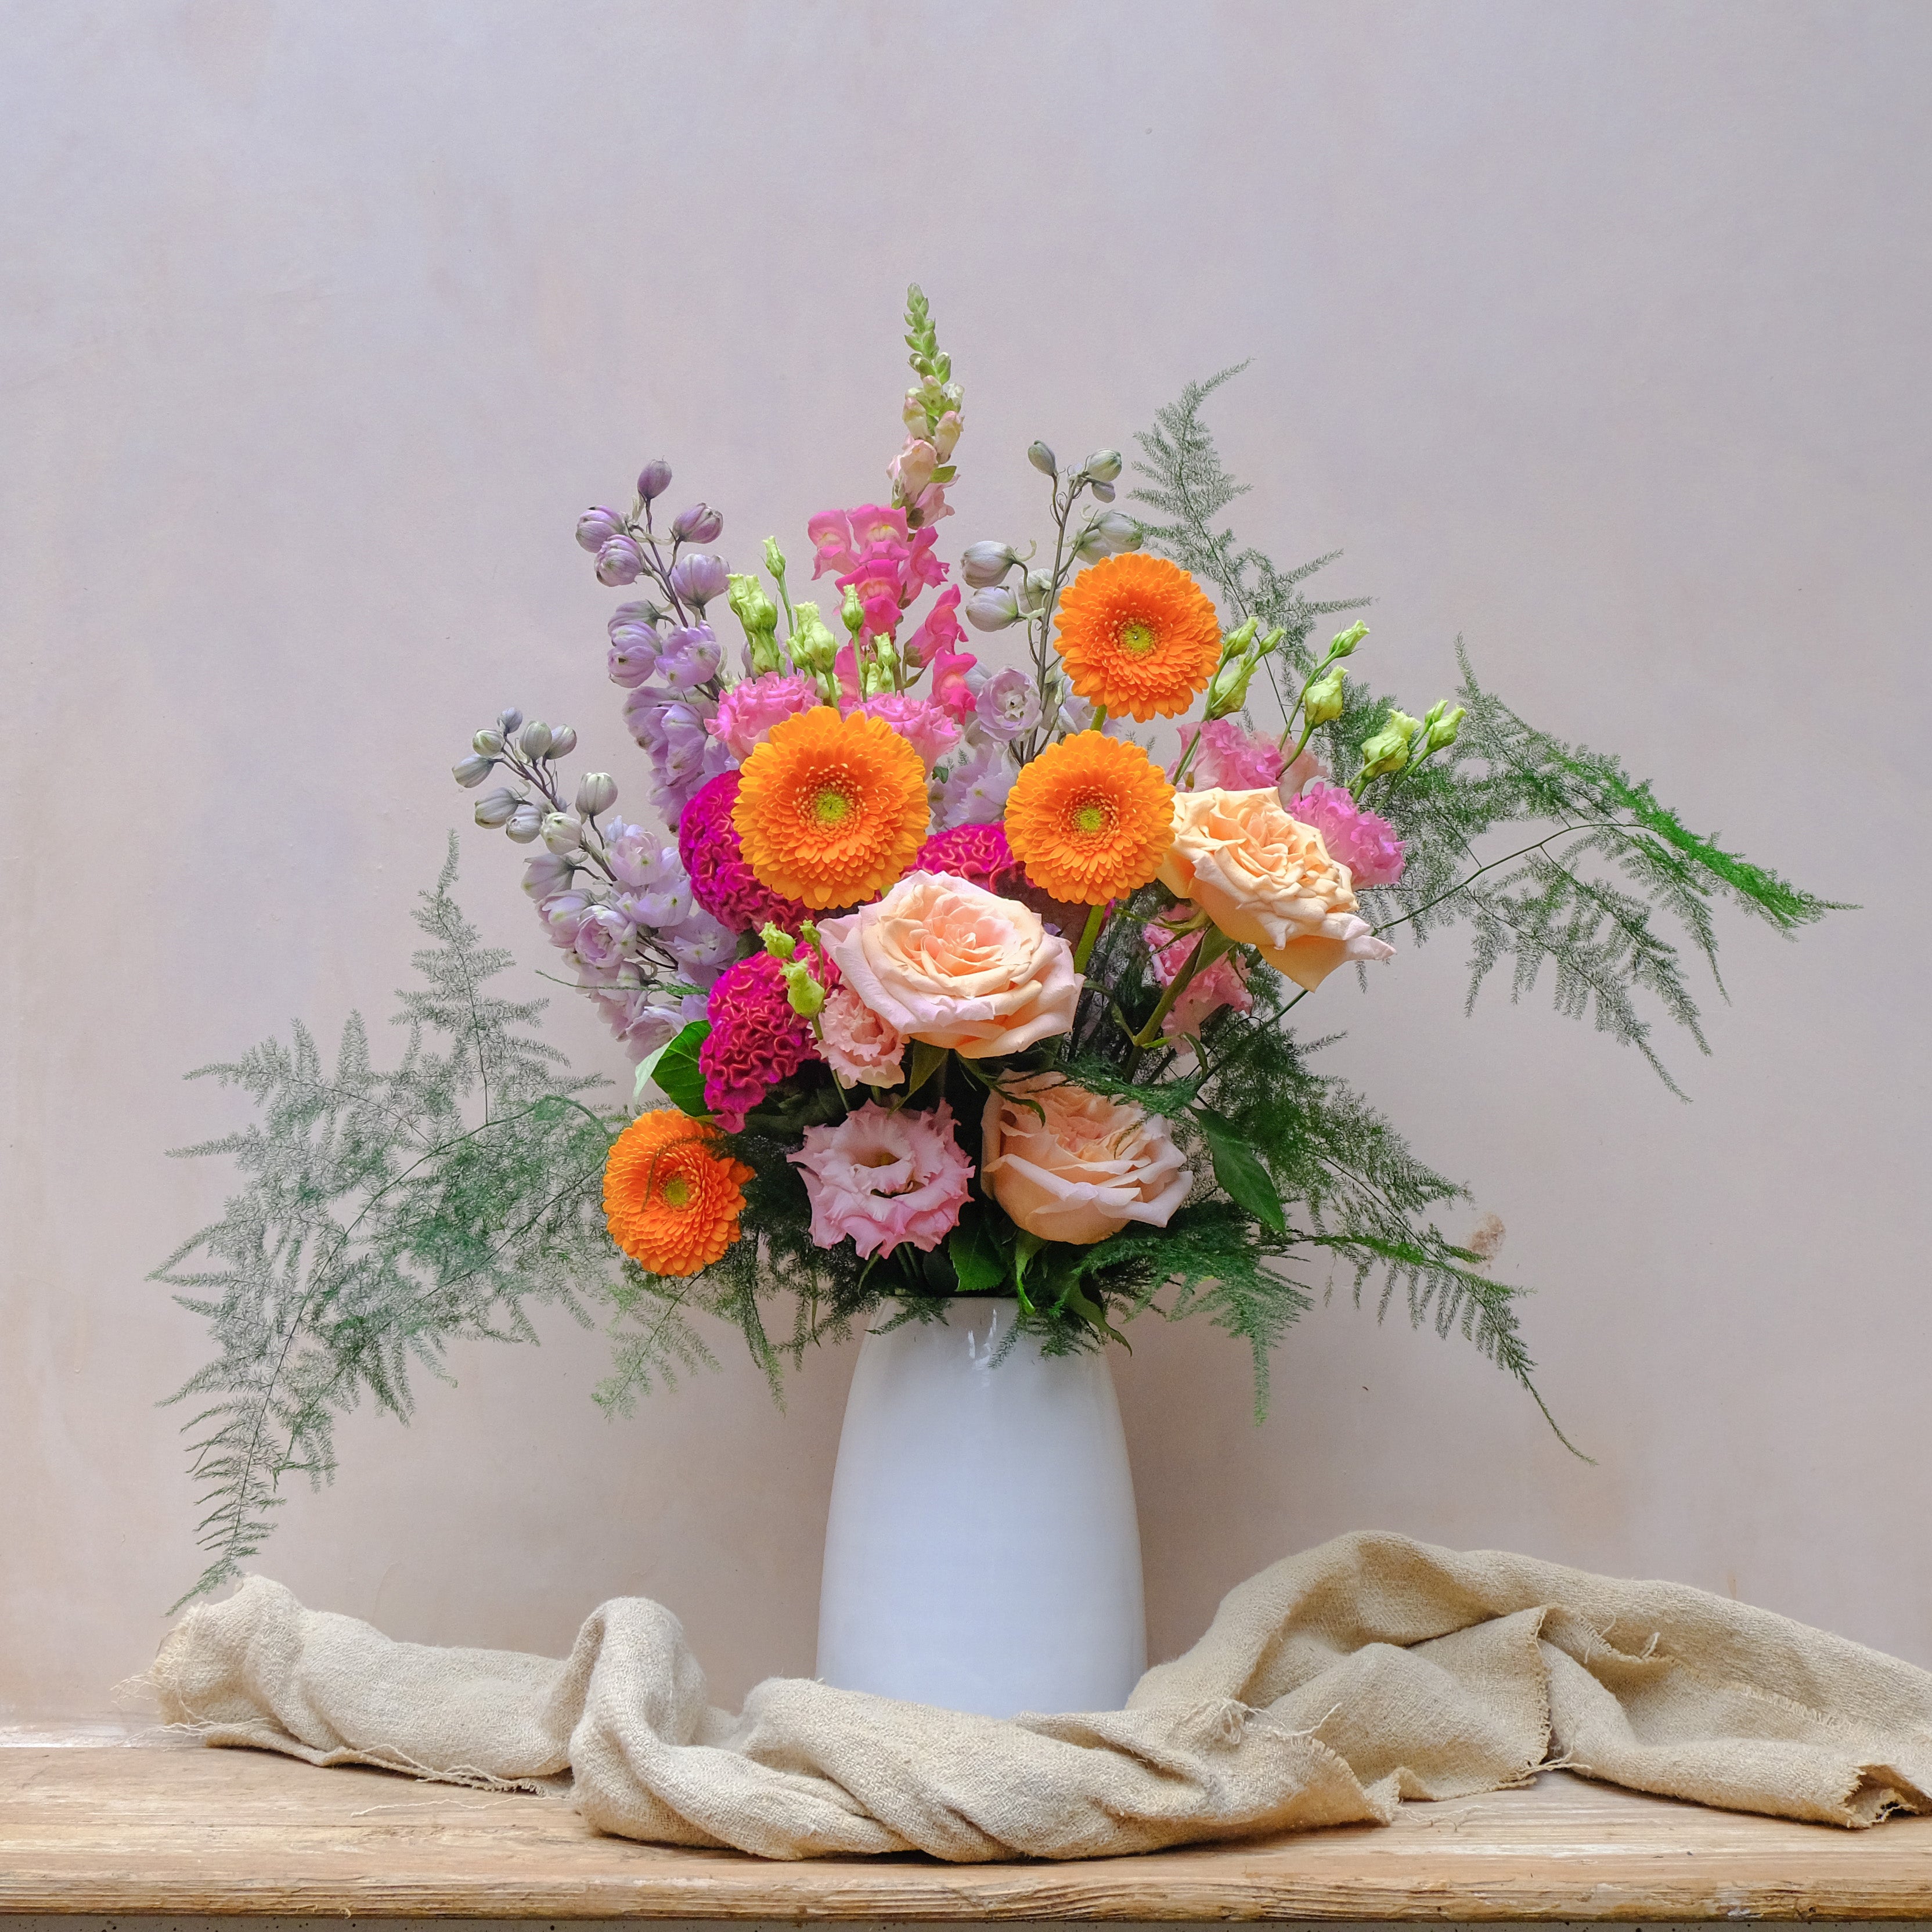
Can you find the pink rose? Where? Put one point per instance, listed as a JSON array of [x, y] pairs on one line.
[[1267, 880], [877, 1178], [1069, 1165], [859, 1045], [943, 961]]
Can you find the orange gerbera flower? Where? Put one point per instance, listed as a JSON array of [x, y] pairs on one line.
[[1138, 635], [831, 811], [672, 1204], [1090, 819]]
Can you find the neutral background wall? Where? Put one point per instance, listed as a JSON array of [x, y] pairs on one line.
[[1594, 332]]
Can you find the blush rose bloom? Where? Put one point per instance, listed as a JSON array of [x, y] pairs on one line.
[[878, 1178], [858, 1045], [1074, 1166], [1267, 880], [943, 961]]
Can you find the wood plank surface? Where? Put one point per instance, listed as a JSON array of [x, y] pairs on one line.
[[179, 1829]]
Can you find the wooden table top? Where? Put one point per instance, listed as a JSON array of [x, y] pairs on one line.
[[178, 1829]]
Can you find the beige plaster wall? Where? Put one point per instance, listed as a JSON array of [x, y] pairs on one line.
[[1595, 333]]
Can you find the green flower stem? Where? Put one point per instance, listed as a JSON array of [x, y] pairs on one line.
[[1083, 952], [1213, 943], [1523, 852]]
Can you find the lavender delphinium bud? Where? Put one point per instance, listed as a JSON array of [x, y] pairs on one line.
[[470, 772], [497, 808], [992, 610], [561, 832], [690, 657], [633, 655], [619, 561], [507, 722], [1104, 491], [1041, 457], [526, 822], [534, 739], [562, 741], [700, 524], [597, 526], [637, 611], [654, 479], [699, 578], [1033, 587], [1102, 466], [596, 791], [549, 872], [982, 564]]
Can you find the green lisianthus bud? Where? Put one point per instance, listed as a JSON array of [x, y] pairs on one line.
[[759, 616], [1344, 642], [1236, 641], [1322, 703], [775, 559], [805, 996], [1444, 720], [1270, 644], [814, 644], [779, 943], [852, 613], [1386, 751]]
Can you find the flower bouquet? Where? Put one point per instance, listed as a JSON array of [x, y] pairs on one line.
[[942, 977]]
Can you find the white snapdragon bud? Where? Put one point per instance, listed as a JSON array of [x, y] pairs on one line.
[[526, 822], [470, 772], [497, 808], [562, 831], [596, 791]]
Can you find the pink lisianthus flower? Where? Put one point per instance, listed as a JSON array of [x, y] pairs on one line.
[[1224, 983], [831, 533], [923, 724], [1299, 776], [859, 1045], [749, 709], [877, 1179], [1229, 760], [756, 1040], [1360, 840]]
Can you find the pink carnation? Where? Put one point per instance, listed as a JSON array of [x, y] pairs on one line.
[[922, 723], [756, 1040], [1230, 759], [749, 709], [878, 1178], [721, 881], [1224, 983], [1366, 844], [859, 1046], [978, 853]]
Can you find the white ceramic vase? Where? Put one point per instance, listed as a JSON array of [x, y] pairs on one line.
[[982, 1551]]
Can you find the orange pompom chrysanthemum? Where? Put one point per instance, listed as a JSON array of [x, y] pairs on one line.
[[1138, 635], [831, 811], [1090, 819], [672, 1203]]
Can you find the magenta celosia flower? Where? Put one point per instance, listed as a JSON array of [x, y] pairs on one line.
[[1230, 759], [1360, 840], [721, 881], [750, 708], [977, 854], [756, 1040], [877, 1178], [923, 724]]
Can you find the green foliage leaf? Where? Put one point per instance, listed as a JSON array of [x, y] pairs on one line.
[[978, 1261], [1242, 1177], [678, 1072]]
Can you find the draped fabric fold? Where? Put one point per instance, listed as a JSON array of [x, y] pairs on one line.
[[1328, 1688]]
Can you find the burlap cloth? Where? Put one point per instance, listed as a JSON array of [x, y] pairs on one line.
[[1328, 1688]]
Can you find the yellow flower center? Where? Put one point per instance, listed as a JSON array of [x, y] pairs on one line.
[[677, 1191], [1137, 639], [831, 806], [1091, 817]]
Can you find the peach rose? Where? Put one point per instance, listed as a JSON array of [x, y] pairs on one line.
[[1267, 880], [1074, 1166], [943, 961]]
